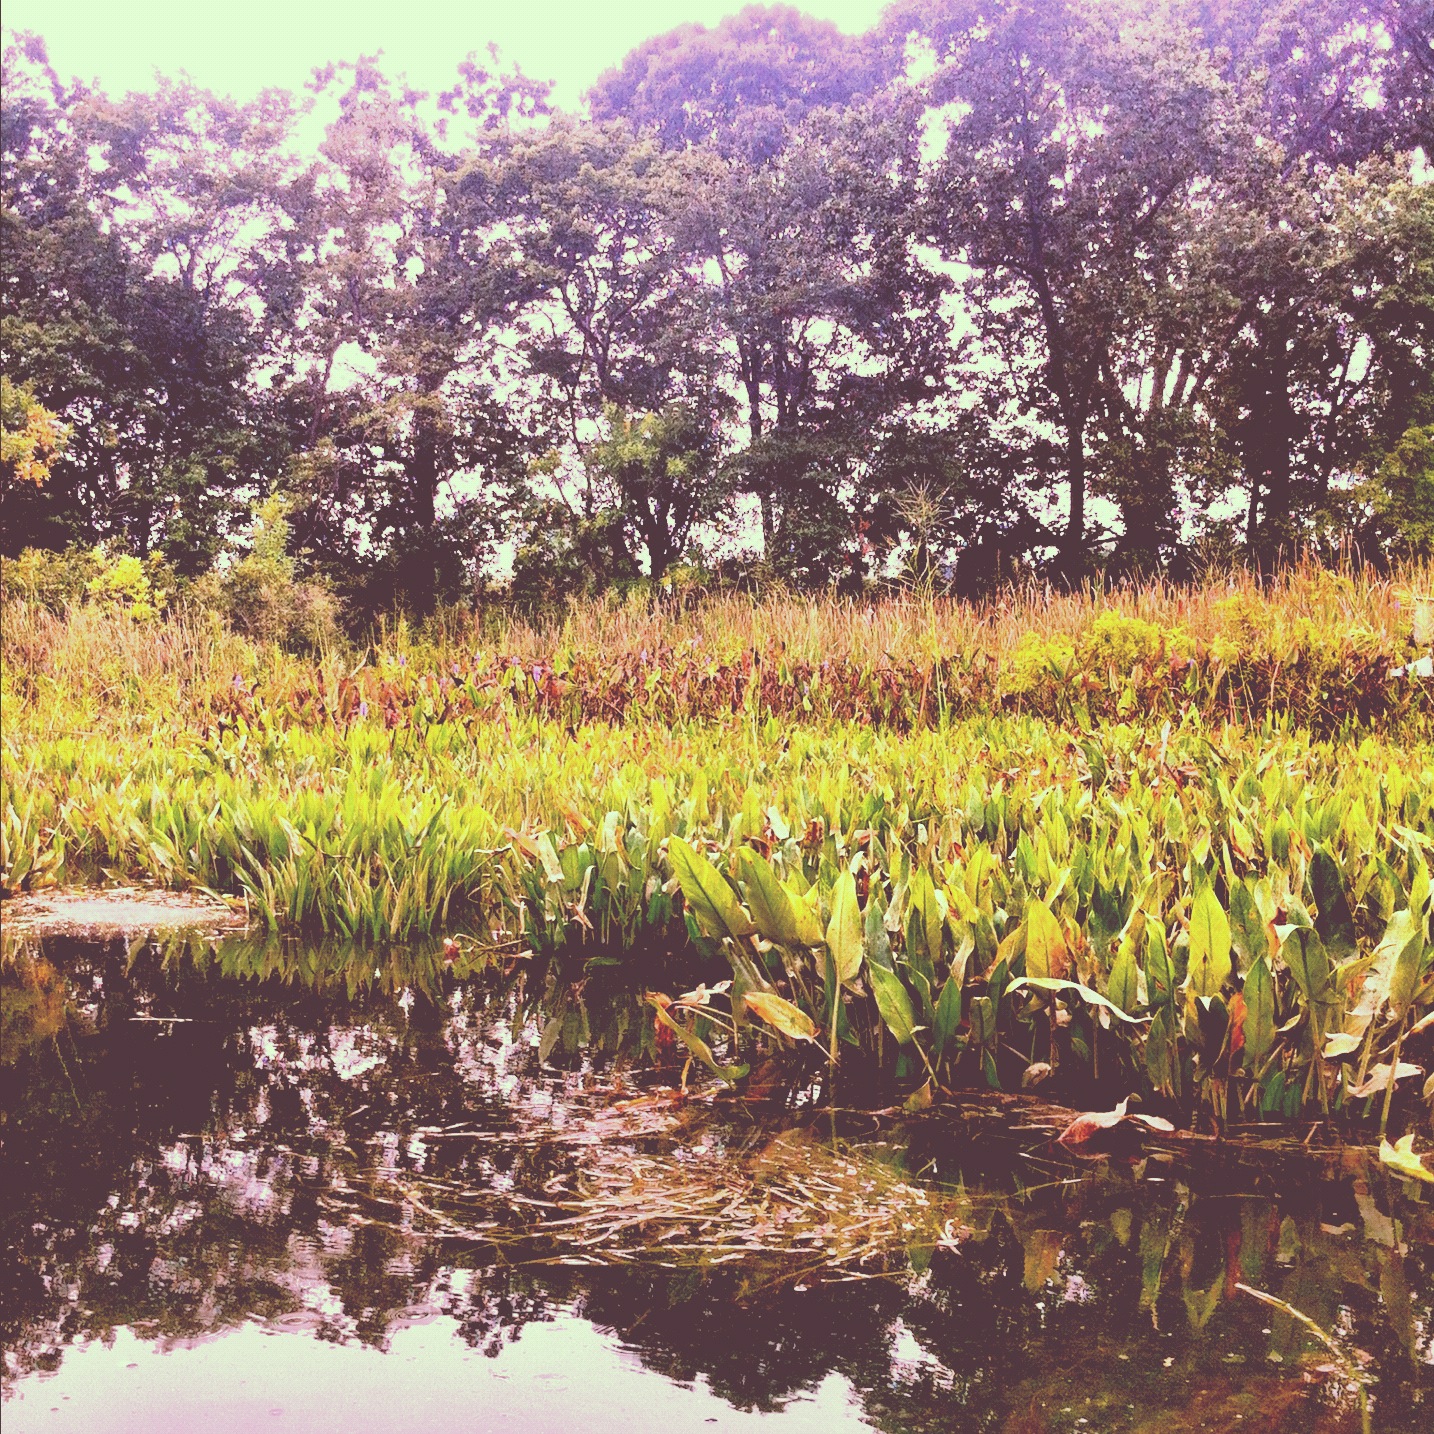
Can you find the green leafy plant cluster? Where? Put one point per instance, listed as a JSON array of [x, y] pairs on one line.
[[1232, 918]]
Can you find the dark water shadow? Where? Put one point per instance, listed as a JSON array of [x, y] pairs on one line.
[[360, 1160]]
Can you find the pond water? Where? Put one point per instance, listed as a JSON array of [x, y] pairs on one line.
[[267, 1190]]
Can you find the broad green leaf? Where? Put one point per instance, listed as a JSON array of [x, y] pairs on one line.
[[893, 1002], [1094, 998], [1259, 995], [948, 1015], [707, 892], [983, 1021], [1047, 956], [1209, 967], [1419, 884], [1123, 986], [804, 914], [767, 899], [1160, 1058], [776, 1011], [1335, 921], [844, 929], [1247, 927], [1399, 958], [924, 904], [1308, 961]]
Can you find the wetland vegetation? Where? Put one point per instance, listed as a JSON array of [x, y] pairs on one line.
[[760, 752]]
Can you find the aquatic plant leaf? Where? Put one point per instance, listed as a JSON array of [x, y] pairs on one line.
[[1341, 1043], [1401, 1159], [1335, 921], [547, 854], [1399, 959], [877, 943], [1093, 1121], [777, 1011], [844, 929], [707, 892], [767, 900], [1248, 934], [804, 914], [1123, 986], [893, 1002], [1209, 966], [1380, 1076], [1047, 956], [948, 1015], [698, 1047], [1075, 988], [1308, 961], [922, 1098], [925, 905], [1259, 1013], [1159, 974]]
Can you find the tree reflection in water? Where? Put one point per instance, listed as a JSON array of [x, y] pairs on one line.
[[193, 1143]]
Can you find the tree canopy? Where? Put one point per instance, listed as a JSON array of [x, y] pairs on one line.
[[1062, 286]]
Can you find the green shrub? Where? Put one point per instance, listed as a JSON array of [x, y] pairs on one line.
[[260, 594], [1124, 643], [123, 585], [48, 579], [1037, 661]]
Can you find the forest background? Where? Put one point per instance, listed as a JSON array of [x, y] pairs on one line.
[[1048, 287]]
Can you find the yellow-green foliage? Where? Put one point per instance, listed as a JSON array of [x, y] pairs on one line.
[[1037, 662], [1117, 641], [383, 803], [123, 585]]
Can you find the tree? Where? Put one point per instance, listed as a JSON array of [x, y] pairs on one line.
[[31, 437], [129, 302], [402, 292], [1072, 131], [740, 89], [664, 467], [792, 208]]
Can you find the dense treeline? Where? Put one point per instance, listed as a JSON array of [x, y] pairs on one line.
[[1077, 284]]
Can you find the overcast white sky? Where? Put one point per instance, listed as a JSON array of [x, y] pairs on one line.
[[239, 48]]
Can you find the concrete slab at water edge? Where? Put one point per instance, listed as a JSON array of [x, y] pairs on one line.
[[96, 913]]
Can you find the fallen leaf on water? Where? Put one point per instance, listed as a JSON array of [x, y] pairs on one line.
[[1084, 1126]]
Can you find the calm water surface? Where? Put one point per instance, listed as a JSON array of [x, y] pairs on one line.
[[267, 1191]]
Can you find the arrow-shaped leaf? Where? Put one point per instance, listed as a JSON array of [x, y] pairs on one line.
[[844, 929], [707, 893], [1209, 967], [893, 1002]]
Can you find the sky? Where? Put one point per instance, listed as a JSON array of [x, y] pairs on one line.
[[241, 48]]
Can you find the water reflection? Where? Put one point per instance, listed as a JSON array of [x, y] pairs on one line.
[[346, 1167]]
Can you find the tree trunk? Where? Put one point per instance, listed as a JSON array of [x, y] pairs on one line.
[[1071, 562]]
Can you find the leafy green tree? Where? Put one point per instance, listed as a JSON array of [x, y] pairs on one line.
[[740, 88], [401, 296], [664, 467], [792, 207], [31, 437], [1071, 131], [130, 230]]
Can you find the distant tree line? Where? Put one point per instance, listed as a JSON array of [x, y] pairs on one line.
[[1066, 285]]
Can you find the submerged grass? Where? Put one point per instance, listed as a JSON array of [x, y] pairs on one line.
[[1175, 846]]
